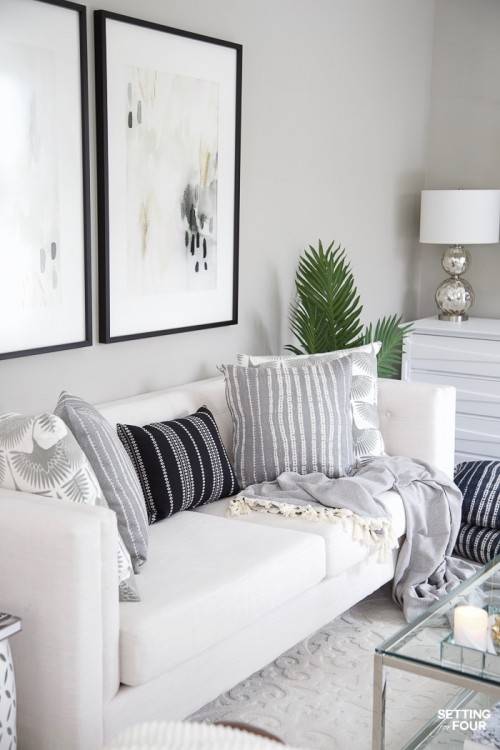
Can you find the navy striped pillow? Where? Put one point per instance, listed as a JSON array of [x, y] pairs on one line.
[[477, 543], [181, 464], [479, 482]]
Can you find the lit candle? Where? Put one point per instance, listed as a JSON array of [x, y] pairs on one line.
[[470, 627]]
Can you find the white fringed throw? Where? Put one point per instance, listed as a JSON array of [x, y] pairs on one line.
[[376, 533], [425, 568]]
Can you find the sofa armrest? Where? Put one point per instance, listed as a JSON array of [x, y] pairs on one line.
[[58, 572], [418, 420]]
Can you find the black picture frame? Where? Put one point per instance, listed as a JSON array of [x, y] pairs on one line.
[[81, 11], [100, 18]]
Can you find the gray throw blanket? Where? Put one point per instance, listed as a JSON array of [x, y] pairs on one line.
[[425, 570]]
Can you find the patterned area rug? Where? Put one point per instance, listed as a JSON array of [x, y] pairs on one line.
[[318, 694]]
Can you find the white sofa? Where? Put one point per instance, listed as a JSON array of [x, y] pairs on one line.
[[221, 597]]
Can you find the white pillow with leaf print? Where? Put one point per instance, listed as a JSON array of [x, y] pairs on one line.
[[40, 455], [254, 360]]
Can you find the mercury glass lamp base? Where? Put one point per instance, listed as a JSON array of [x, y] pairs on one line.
[[453, 318], [455, 296]]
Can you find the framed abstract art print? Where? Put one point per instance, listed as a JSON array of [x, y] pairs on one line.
[[45, 293], [168, 105]]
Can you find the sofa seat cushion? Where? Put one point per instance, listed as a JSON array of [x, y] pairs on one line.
[[207, 578], [342, 551]]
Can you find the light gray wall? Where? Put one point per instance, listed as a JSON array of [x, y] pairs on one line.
[[464, 133], [335, 109]]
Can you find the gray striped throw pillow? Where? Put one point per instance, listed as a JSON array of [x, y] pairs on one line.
[[290, 419], [368, 440], [114, 471]]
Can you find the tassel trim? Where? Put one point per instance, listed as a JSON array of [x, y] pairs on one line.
[[376, 533]]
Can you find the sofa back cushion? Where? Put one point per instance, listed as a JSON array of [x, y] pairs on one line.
[[172, 403]]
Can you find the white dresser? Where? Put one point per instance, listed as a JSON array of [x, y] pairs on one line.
[[466, 355]]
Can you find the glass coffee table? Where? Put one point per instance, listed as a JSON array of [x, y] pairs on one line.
[[426, 648]]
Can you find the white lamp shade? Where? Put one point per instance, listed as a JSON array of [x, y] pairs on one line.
[[460, 217]]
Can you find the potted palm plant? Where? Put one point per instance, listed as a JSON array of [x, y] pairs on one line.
[[326, 313]]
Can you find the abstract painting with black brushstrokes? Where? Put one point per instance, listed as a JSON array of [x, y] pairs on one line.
[[29, 205], [171, 124], [45, 295]]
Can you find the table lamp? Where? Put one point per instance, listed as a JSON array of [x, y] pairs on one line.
[[457, 218]]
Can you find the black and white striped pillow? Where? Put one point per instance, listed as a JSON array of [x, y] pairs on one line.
[[479, 482], [477, 543], [180, 464]]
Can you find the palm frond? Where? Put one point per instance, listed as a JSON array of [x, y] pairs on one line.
[[391, 332], [326, 313]]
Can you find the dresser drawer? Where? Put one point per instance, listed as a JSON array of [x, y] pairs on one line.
[[487, 427], [477, 436], [466, 356], [474, 395], [471, 445], [449, 355], [473, 401]]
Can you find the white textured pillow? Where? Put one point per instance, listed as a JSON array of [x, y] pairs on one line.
[[39, 454], [189, 735], [367, 438], [251, 360]]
